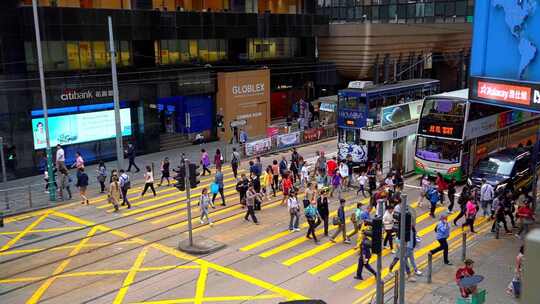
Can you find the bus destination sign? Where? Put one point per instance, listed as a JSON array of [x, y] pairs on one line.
[[520, 95]]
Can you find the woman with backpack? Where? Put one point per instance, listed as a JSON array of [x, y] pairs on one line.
[[82, 184], [294, 211], [313, 219]]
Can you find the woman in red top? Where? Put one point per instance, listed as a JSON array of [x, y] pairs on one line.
[[465, 271], [525, 217], [287, 185], [441, 186], [331, 166]]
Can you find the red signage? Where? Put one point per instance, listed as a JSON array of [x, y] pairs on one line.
[[312, 134], [441, 130], [504, 92]]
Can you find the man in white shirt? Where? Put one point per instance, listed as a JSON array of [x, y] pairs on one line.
[[486, 197], [60, 158]]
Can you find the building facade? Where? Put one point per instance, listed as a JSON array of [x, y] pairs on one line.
[[169, 55], [392, 40]]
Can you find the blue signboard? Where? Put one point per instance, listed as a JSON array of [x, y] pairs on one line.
[[506, 40], [351, 119], [505, 63]]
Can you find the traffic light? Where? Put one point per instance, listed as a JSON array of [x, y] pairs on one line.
[[180, 178], [194, 175], [408, 224], [373, 231]]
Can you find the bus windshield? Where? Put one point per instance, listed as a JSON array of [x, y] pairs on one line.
[[444, 109], [437, 150], [495, 166]]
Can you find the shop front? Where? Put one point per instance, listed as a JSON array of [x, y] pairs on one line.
[[243, 101]]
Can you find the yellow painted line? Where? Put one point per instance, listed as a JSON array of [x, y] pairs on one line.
[[100, 273], [130, 277], [366, 298], [43, 230], [174, 208], [195, 217], [303, 239], [282, 234], [36, 296], [25, 231], [233, 273], [316, 250], [308, 253], [228, 219], [135, 190], [352, 269], [201, 284], [137, 201], [186, 257], [418, 254], [332, 261], [215, 299], [166, 203], [12, 252], [25, 216]]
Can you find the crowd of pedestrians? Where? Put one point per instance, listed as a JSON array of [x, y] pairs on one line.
[[306, 190]]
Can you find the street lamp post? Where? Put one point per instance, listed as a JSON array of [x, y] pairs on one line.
[[116, 98], [52, 184]]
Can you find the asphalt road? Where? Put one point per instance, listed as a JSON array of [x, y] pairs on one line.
[[89, 254]]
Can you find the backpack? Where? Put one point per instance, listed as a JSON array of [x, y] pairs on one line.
[[310, 212], [127, 184]]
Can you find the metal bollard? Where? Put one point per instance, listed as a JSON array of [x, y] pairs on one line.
[[1, 219], [6, 199], [153, 174], [429, 267], [396, 287], [497, 230], [30, 196], [463, 246]]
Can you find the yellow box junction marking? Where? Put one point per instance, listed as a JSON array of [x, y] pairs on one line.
[[25, 231], [129, 280]]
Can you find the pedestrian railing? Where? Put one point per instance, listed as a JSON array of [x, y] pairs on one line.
[[21, 198], [281, 142]]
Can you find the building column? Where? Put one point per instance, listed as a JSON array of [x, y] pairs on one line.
[[387, 156]]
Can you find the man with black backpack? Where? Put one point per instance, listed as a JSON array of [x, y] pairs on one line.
[[125, 184], [235, 162]]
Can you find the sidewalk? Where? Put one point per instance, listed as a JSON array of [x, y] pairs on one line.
[[494, 259], [18, 198]]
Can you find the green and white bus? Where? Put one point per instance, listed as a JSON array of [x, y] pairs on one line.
[[454, 133]]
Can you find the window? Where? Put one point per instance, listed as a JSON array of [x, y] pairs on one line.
[[76, 55], [444, 109], [272, 48], [495, 166], [177, 51], [436, 150]]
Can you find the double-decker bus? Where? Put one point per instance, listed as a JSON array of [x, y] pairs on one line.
[[361, 107], [454, 133]]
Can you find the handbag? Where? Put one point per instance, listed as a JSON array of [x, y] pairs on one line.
[[214, 188], [516, 287], [336, 221]]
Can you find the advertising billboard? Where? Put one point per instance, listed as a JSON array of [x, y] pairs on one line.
[[401, 113], [505, 68], [80, 128]]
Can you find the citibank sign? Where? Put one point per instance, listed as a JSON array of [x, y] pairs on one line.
[[74, 95], [248, 89]]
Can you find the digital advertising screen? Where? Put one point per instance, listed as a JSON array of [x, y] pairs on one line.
[[80, 128]]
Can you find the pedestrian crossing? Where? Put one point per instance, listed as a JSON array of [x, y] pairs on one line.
[[342, 263]]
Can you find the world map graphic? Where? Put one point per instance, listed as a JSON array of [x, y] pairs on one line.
[[518, 16]]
